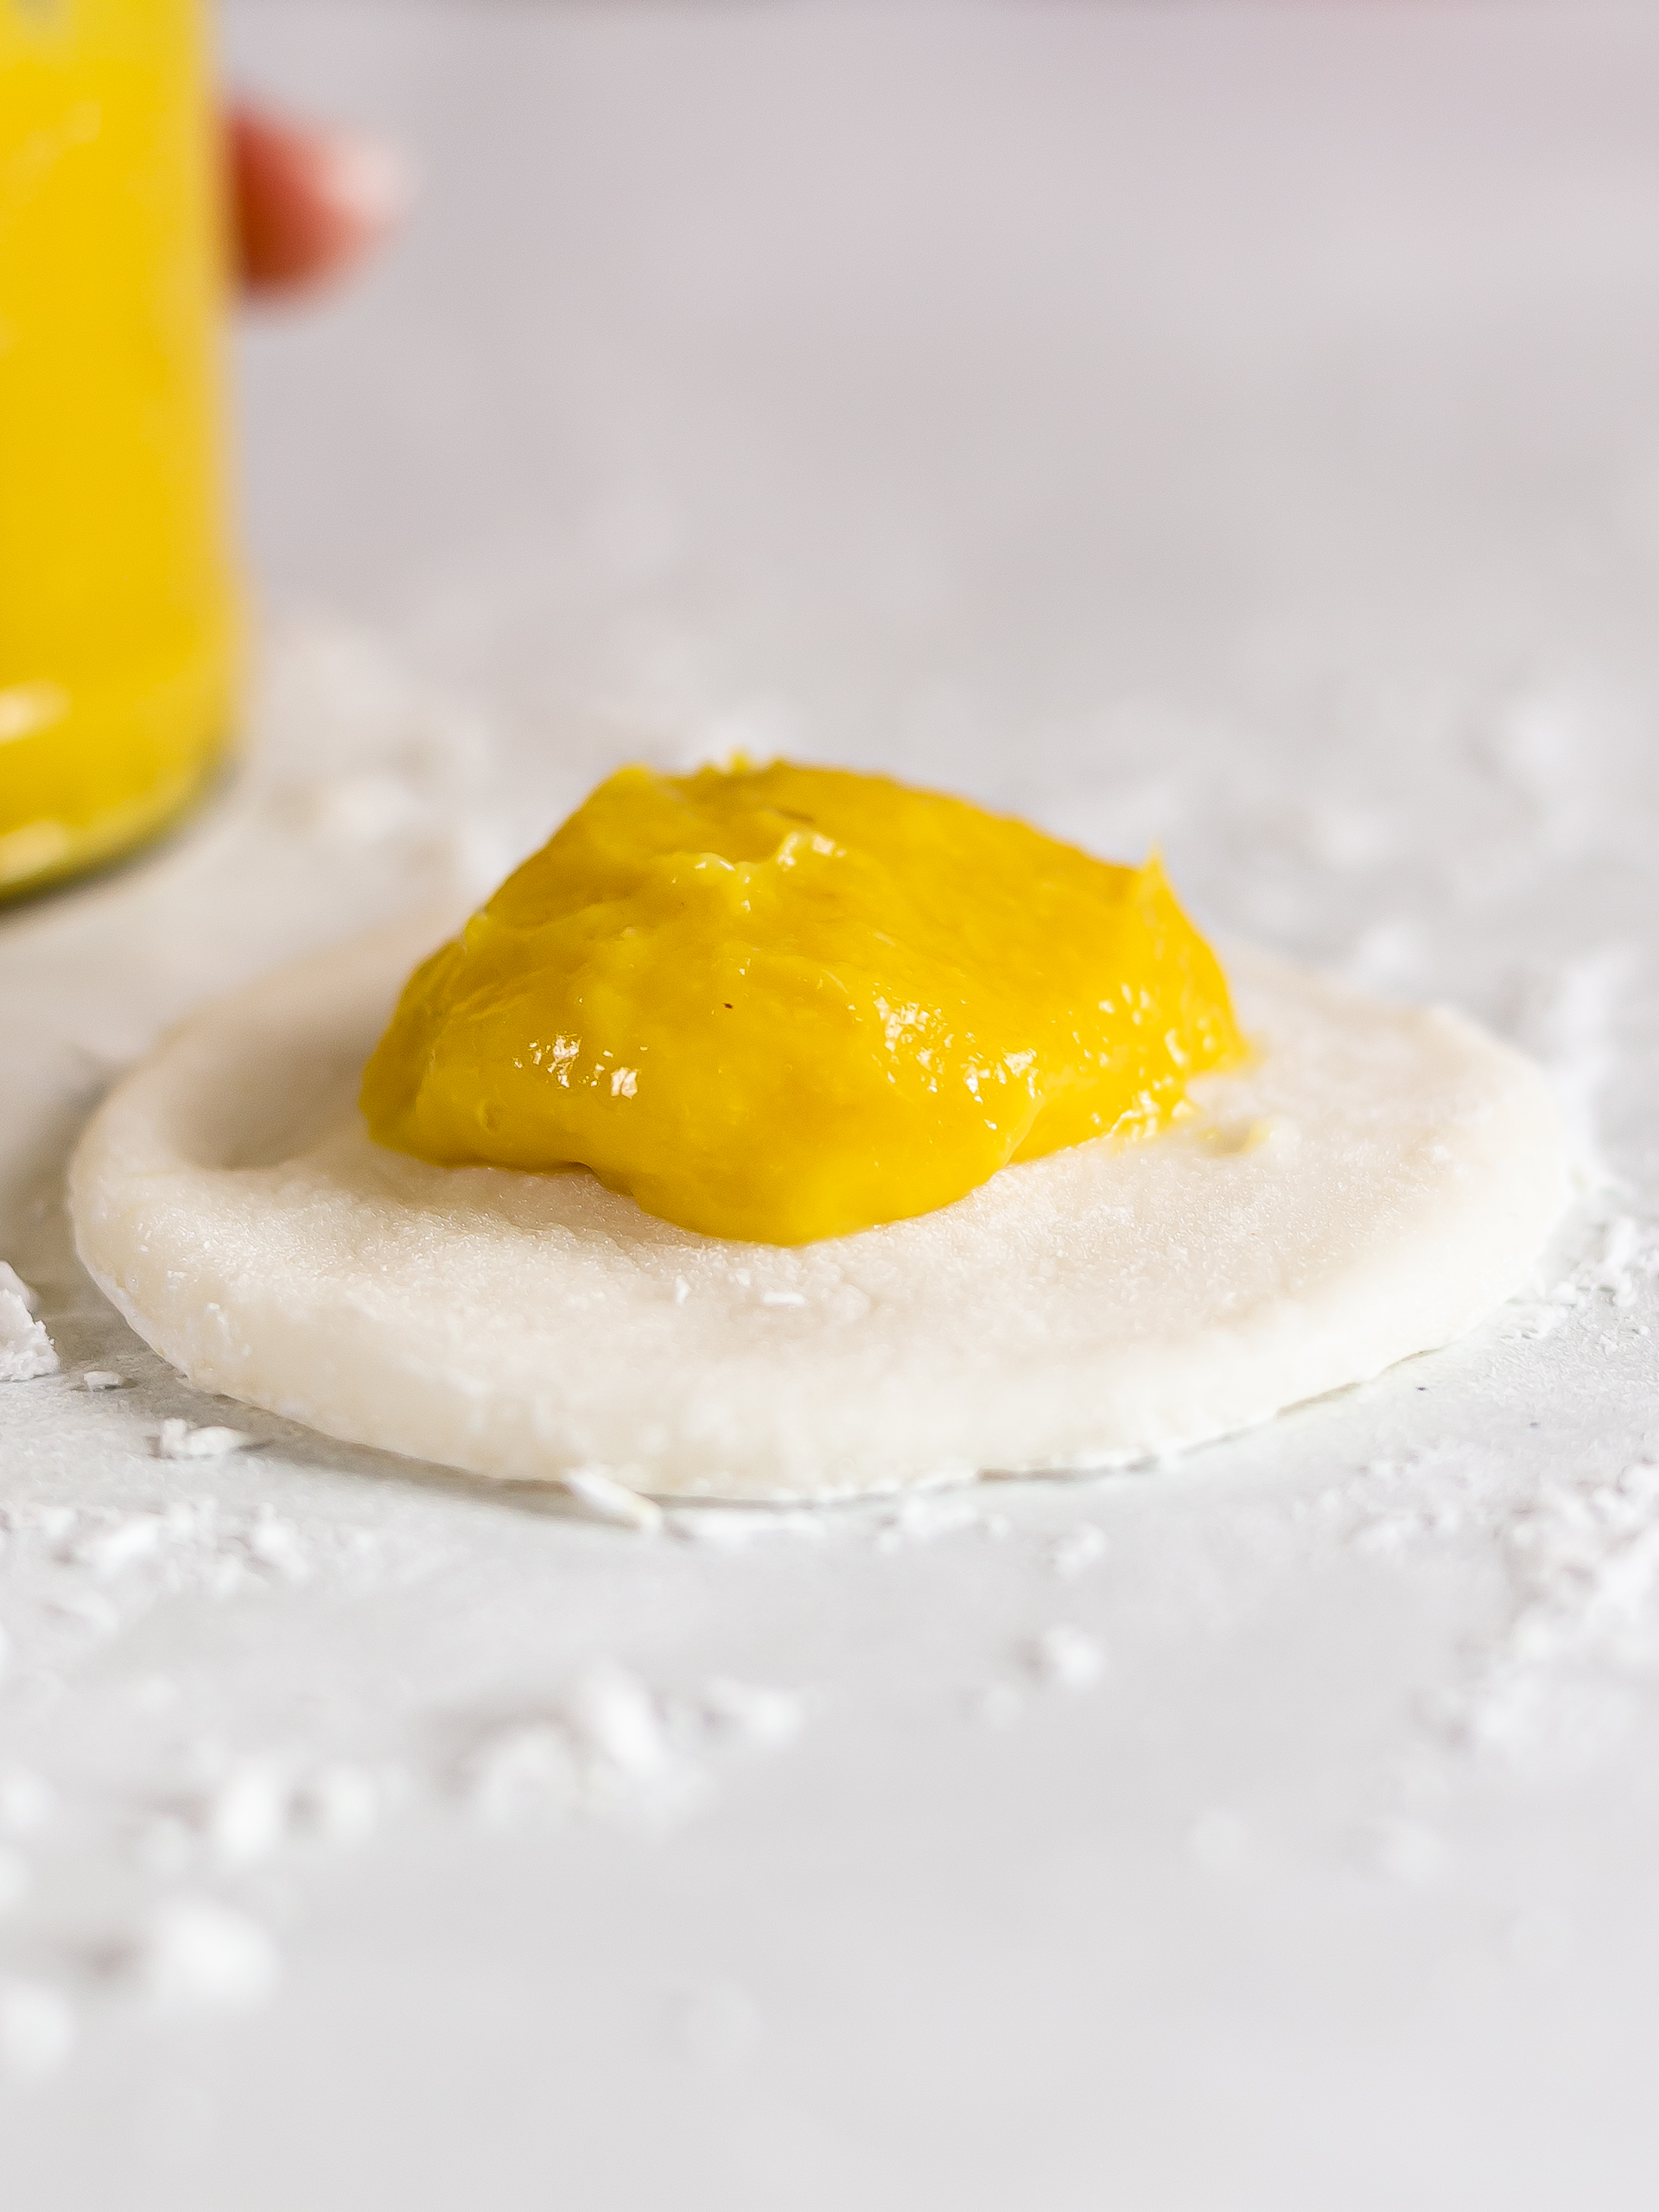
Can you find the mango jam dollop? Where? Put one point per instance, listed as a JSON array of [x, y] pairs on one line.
[[786, 1003]]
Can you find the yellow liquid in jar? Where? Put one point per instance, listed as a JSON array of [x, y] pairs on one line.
[[118, 616]]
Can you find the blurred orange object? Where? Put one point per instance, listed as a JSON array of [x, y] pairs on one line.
[[308, 203]]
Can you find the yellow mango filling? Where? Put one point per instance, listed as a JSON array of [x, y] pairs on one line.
[[786, 1003]]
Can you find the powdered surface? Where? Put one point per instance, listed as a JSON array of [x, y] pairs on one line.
[[1225, 427]]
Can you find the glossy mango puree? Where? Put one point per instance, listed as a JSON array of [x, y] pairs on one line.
[[786, 1003]]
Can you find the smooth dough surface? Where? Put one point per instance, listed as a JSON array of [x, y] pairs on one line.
[[1377, 1182]]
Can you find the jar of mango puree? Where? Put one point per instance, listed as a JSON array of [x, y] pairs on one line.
[[117, 598]]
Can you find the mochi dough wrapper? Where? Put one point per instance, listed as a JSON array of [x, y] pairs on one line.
[[1371, 1186]]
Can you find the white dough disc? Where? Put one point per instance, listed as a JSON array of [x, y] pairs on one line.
[[1373, 1185]]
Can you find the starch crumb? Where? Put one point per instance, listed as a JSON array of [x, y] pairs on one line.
[[198, 1955], [1066, 1658], [179, 1440], [248, 1816], [612, 1718], [26, 1350], [102, 1378], [607, 1499], [125, 1544]]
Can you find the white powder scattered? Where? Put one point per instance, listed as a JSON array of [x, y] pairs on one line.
[[1584, 1563], [102, 1378], [1626, 1260], [1553, 1685], [1066, 1658], [247, 1817], [179, 1440], [734, 1528], [261, 1807], [197, 1955], [613, 1721], [38, 2030], [612, 1724], [1531, 1319], [277, 1544], [26, 1350], [122, 1545], [608, 1743], [604, 1736], [1613, 1276], [607, 1499]]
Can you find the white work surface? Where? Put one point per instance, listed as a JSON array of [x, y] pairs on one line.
[[1234, 429]]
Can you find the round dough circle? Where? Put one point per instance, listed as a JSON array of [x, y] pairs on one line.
[[1373, 1185]]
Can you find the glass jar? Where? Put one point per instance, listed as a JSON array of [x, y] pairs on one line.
[[119, 614]]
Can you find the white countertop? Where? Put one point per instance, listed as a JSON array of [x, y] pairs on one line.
[[1231, 428]]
